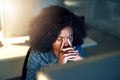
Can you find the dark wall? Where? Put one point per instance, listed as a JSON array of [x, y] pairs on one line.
[[101, 14]]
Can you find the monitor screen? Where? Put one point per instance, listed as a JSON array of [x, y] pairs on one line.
[[102, 67]]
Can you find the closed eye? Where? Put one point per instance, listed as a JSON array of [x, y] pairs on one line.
[[59, 38]]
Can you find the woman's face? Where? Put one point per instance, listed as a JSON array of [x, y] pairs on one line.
[[65, 39]]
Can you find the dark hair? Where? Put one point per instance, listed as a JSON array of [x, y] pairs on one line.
[[46, 27]]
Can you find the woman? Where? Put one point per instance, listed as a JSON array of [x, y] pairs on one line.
[[56, 37]]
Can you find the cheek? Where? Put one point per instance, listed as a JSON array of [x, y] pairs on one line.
[[56, 45]]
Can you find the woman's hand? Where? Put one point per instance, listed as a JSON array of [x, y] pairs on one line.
[[68, 54]]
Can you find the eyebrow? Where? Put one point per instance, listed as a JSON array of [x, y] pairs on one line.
[[63, 37]]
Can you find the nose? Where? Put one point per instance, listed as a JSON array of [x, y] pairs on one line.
[[66, 43]]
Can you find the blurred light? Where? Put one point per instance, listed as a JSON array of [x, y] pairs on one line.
[[8, 5], [8, 9], [42, 76], [70, 3]]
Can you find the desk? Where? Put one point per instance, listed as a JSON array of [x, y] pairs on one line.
[[12, 58], [12, 52], [11, 61]]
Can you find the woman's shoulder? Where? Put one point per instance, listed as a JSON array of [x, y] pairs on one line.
[[42, 58], [37, 54], [41, 55]]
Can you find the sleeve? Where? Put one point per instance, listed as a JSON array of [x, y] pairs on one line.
[[33, 66], [81, 51]]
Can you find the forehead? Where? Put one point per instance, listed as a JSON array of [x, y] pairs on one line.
[[67, 31]]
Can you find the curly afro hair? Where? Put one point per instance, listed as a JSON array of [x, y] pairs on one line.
[[46, 27]]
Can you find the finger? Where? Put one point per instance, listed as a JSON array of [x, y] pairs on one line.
[[70, 54], [73, 51], [69, 48], [69, 57], [61, 53], [77, 58], [66, 55], [69, 43], [62, 45]]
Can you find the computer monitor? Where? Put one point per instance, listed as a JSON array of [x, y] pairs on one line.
[[102, 67]]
